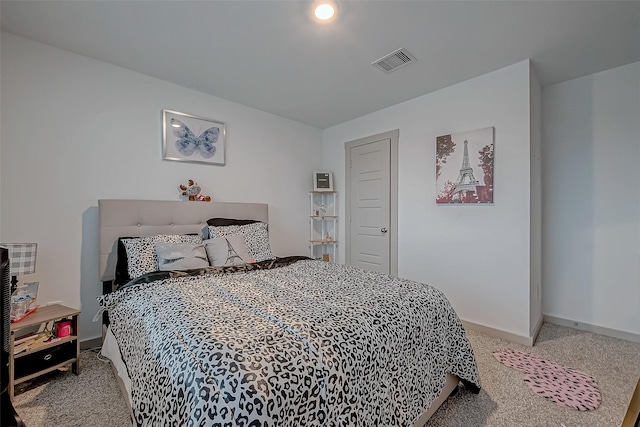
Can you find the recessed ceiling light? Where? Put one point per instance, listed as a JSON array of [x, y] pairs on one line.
[[324, 10]]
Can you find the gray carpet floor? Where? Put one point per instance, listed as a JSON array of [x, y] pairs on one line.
[[93, 398]]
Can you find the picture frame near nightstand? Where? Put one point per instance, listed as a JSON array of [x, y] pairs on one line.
[[322, 181]]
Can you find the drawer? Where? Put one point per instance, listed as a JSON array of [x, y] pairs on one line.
[[41, 360]]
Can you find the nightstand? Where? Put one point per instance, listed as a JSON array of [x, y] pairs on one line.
[[41, 357], [632, 418]]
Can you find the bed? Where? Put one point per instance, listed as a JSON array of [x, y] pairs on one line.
[[278, 342]]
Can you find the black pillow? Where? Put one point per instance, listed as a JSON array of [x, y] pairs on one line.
[[222, 222], [122, 267]]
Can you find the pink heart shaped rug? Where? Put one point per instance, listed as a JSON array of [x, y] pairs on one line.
[[564, 386]]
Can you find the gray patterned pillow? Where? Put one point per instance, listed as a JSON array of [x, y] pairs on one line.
[[180, 256], [255, 235], [229, 250], [141, 254]]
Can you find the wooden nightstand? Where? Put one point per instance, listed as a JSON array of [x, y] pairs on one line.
[[42, 357], [632, 419]]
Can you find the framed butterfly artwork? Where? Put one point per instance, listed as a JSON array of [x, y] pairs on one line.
[[188, 138]]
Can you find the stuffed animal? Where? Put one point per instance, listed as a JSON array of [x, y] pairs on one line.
[[192, 192]]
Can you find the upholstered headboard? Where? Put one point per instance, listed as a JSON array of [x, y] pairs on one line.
[[123, 218]]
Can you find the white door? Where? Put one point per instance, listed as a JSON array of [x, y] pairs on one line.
[[369, 197]]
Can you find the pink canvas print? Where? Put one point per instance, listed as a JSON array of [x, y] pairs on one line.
[[464, 167]]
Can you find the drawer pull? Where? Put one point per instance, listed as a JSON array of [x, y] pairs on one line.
[[47, 357]]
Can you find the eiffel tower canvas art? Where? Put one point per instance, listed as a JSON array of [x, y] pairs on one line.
[[464, 167]]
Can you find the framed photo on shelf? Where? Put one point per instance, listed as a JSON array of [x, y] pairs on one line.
[[188, 138], [322, 181]]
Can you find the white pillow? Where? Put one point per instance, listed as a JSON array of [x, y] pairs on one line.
[[180, 256], [256, 238], [229, 250], [141, 254]]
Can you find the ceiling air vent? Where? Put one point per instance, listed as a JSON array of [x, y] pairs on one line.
[[396, 59]]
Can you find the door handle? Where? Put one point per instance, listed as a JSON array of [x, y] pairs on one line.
[[383, 230]]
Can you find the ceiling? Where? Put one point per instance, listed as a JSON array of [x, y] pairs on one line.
[[272, 56]]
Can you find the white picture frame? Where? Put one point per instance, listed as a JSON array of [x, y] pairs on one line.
[[322, 181], [188, 138]]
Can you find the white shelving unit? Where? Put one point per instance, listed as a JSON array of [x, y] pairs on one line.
[[324, 225]]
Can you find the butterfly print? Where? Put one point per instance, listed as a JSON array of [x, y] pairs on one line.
[[188, 143]]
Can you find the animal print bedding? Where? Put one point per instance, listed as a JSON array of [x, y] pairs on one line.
[[306, 344]]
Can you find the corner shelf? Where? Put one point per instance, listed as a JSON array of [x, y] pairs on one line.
[[323, 224]]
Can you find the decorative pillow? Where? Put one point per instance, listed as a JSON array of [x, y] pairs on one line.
[[229, 250], [141, 254], [180, 256], [255, 235], [221, 222]]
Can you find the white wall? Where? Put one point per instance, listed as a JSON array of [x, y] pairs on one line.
[[591, 187], [75, 130], [0, 140], [536, 203], [478, 255]]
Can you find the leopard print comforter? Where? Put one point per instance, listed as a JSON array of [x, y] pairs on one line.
[[305, 344]]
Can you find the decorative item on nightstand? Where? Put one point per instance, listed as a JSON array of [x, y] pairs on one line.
[[63, 328], [324, 225], [23, 260], [23, 301]]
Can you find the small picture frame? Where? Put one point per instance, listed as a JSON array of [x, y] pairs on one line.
[[322, 181], [188, 138]]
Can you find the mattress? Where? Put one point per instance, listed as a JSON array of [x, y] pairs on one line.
[[111, 351]]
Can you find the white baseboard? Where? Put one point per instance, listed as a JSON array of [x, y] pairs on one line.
[[536, 330], [508, 336], [600, 330]]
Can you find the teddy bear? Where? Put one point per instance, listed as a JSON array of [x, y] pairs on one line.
[[192, 192]]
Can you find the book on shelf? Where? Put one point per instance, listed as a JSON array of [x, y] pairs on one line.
[[22, 347], [27, 337], [25, 342]]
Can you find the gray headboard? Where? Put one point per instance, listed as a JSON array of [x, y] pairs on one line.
[[124, 218]]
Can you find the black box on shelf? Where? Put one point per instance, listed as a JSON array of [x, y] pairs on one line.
[[43, 359]]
